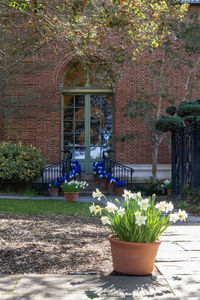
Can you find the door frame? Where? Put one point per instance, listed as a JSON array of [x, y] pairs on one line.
[[83, 91]]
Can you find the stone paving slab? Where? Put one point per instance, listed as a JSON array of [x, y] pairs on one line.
[[185, 286], [8, 283], [179, 268], [190, 246], [88, 287]]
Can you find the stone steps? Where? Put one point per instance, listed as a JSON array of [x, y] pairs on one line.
[[87, 192]]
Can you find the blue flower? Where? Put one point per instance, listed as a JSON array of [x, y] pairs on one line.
[[120, 183]]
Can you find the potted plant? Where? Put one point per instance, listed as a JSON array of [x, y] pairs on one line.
[[98, 167], [102, 179], [168, 186], [53, 188], [72, 188], [119, 187], [110, 183], [76, 170], [136, 225]]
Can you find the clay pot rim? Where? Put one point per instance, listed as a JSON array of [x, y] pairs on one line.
[[117, 241], [71, 192]]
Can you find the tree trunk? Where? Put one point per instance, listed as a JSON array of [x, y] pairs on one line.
[[154, 162]]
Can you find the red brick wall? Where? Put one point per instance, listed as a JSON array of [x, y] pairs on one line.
[[38, 122]]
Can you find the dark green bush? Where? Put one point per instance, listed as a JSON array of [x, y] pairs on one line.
[[192, 196], [19, 163], [197, 100], [169, 123], [171, 110], [183, 103], [188, 110], [190, 119]]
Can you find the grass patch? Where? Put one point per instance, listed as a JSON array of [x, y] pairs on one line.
[[43, 207]]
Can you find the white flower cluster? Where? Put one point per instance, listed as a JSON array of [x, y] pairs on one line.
[[166, 207], [144, 206], [97, 194], [81, 184]]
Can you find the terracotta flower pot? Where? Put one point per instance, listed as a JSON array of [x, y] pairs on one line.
[[102, 183], [169, 192], [119, 190], [110, 187], [95, 177], [78, 177], [133, 258], [53, 192], [71, 197]]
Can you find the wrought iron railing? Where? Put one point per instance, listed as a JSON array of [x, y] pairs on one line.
[[186, 157], [51, 172], [123, 172]]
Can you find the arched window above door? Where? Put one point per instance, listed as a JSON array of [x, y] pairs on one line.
[[94, 76]]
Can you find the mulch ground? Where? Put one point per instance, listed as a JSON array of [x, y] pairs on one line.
[[53, 244]]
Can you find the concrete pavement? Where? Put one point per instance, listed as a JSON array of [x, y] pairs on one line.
[[178, 262]]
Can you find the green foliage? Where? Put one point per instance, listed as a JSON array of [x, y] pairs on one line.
[[190, 119], [136, 220], [43, 207], [139, 108], [19, 163], [171, 110], [169, 123], [189, 33], [161, 187], [188, 110], [192, 196], [74, 186]]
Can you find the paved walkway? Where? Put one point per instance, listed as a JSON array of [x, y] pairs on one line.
[[178, 261]]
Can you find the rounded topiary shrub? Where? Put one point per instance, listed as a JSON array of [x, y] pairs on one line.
[[190, 119], [188, 110], [169, 123], [19, 163], [171, 110]]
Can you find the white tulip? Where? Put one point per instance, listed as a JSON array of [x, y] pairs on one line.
[[144, 204], [169, 207], [111, 207], [97, 194], [182, 215], [105, 220], [161, 206], [140, 220], [173, 217], [92, 208], [121, 211], [138, 213]]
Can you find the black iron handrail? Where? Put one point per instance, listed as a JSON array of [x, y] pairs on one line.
[[123, 172], [53, 171]]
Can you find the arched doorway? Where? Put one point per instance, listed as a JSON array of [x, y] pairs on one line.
[[87, 117]]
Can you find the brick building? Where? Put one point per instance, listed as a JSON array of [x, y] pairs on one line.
[[64, 108]]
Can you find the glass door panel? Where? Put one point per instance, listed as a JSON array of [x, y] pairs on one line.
[[100, 126], [87, 127]]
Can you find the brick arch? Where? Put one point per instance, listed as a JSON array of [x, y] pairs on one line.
[[61, 68]]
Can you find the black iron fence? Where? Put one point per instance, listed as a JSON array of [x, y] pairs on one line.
[[51, 172], [124, 173], [186, 157]]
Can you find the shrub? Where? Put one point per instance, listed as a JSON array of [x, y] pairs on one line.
[[171, 110], [19, 163], [169, 123], [190, 119], [188, 110], [191, 195]]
